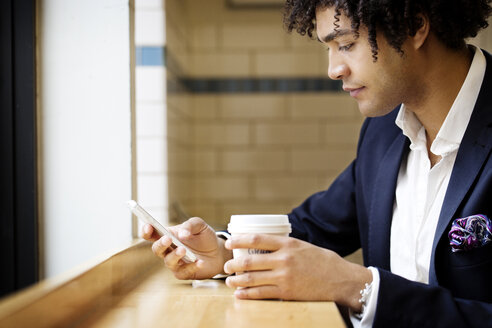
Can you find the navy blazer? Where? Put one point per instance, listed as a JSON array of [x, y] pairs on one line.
[[356, 211]]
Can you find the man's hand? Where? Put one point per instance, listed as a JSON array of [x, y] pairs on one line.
[[200, 238], [294, 270]]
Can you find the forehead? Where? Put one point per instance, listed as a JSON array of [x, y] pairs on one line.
[[327, 21]]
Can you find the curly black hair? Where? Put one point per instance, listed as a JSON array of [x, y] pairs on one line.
[[452, 21]]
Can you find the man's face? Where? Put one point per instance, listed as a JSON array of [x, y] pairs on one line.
[[379, 86]]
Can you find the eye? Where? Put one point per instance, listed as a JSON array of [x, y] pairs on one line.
[[346, 47]]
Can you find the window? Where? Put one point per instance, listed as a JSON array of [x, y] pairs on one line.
[[67, 163]]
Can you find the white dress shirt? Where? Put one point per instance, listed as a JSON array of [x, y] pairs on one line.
[[420, 188]]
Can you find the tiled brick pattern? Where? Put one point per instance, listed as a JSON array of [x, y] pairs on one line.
[[233, 153], [254, 159]]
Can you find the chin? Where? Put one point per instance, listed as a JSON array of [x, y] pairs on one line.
[[374, 110]]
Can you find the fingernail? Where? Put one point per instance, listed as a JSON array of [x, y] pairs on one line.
[[239, 293], [227, 244], [226, 270]]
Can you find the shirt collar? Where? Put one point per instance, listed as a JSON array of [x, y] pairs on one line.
[[453, 129]]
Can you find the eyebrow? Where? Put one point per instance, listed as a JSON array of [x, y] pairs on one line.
[[335, 34]]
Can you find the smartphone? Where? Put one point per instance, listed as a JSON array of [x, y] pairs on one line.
[[144, 216]]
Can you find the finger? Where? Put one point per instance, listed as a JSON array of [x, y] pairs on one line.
[[261, 292], [249, 263], [173, 259], [149, 233], [258, 241], [252, 279], [186, 271], [161, 246], [192, 226]]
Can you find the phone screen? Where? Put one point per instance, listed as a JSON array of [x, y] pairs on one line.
[[145, 217]]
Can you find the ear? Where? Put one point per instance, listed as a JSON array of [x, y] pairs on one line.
[[422, 33]]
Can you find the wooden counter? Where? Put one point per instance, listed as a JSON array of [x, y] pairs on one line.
[[163, 301], [148, 295]]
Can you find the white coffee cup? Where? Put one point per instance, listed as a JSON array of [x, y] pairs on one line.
[[272, 224]]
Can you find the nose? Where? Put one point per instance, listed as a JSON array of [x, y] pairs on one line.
[[337, 68]]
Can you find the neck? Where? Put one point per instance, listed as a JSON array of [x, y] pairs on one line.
[[444, 71]]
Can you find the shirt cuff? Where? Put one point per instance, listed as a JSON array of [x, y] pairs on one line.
[[370, 309], [224, 235]]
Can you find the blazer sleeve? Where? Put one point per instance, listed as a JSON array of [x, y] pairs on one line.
[[405, 303], [328, 218]]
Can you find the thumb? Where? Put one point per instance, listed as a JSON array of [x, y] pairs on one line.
[[192, 226]]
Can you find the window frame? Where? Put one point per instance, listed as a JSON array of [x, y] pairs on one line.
[[18, 150]]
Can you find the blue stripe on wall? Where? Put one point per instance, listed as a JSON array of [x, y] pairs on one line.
[[150, 56]]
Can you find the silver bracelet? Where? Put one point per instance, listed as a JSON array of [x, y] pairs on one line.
[[364, 295]]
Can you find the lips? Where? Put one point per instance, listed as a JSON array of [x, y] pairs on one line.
[[353, 91]]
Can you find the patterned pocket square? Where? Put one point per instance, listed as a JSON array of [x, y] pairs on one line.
[[471, 232]]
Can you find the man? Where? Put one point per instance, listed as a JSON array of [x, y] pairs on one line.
[[423, 162]]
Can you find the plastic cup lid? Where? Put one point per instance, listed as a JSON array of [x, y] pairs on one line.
[[259, 219], [259, 223]]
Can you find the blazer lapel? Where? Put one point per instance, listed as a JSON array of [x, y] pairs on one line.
[[474, 150], [382, 203]]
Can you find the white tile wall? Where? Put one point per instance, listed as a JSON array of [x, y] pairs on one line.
[[151, 120], [150, 26], [152, 189], [151, 125], [150, 85], [151, 155]]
